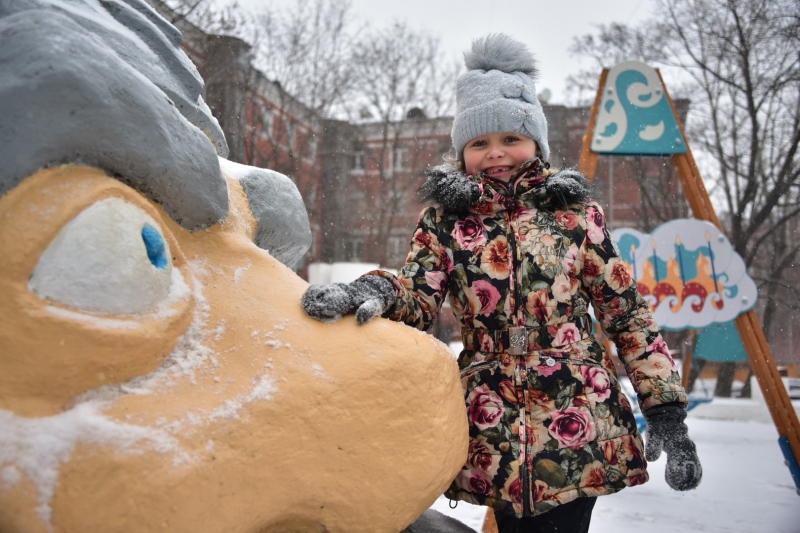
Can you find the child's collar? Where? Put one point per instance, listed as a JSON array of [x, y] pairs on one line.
[[530, 174], [535, 184]]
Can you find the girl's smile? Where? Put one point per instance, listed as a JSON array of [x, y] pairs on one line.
[[501, 172], [498, 155]]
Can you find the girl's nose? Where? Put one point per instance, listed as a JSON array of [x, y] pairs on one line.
[[494, 152]]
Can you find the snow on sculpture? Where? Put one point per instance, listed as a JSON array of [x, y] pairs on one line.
[[688, 273], [157, 371]]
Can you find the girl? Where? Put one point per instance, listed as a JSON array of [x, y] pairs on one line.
[[524, 253]]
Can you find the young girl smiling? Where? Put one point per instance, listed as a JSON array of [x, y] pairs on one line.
[[524, 254]]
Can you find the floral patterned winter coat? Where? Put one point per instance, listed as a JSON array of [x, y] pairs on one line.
[[547, 420]]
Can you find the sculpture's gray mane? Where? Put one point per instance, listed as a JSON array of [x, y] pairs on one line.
[[105, 83]]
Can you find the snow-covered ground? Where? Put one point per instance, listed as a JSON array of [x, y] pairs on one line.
[[746, 486]]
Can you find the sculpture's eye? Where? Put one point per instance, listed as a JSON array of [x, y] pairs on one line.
[[112, 258]]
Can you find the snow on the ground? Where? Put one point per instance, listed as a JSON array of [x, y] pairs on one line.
[[746, 486], [471, 515]]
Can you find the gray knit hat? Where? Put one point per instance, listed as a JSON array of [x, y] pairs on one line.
[[498, 93]]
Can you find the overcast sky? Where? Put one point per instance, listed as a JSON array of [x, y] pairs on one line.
[[547, 27]]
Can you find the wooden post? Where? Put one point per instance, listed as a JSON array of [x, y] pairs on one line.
[[489, 522], [587, 163], [686, 364]]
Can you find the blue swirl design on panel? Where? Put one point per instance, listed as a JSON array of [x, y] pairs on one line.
[[651, 128], [626, 244]]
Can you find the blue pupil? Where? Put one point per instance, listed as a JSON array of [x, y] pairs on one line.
[[156, 249]]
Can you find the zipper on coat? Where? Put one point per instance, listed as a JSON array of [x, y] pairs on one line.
[[512, 250], [526, 490], [523, 378]]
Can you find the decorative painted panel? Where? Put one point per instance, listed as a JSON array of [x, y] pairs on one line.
[[688, 272], [635, 117]]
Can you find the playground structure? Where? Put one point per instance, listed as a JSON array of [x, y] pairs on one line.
[[633, 114]]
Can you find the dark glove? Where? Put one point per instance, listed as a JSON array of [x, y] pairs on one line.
[[666, 429], [450, 188], [368, 296]]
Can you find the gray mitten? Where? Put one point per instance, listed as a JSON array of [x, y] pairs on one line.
[[368, 296], [666, 430], [450, 188], [563, 188]]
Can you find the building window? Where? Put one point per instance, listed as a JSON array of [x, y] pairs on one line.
[[291, 134], [400, 159], [353, 249], [398, 246], [397, 196], [358, 161], [312, 147], [297, 141], [266, 121], [310, 196]]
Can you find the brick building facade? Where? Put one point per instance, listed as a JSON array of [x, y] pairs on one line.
[[638, 192], [359, 179]]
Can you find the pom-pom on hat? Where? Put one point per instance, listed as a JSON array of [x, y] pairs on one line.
[[498, 93]]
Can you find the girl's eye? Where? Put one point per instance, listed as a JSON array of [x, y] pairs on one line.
[[511, 139], [478, 144]]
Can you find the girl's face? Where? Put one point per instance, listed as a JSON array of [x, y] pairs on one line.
[[498, 155]]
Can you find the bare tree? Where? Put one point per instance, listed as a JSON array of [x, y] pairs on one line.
[[316, 63], [209, 15], [307, 48], [611, 44], [401, 72], [743, 57], [323, 57]]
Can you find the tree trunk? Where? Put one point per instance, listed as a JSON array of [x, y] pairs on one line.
[[697, 367], [747, 389], [724, 385]]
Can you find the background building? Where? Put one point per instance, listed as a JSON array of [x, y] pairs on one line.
[[359, 179]]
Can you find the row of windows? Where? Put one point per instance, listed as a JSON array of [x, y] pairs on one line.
[[291, 130], [399, 160], [397, 247]]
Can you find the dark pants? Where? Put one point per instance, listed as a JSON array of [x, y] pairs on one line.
[[572, 517]]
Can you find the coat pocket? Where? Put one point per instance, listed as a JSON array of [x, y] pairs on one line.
[[610, 408], [475, 368], [579, 401]]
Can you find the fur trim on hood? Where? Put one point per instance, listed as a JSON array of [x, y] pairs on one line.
[[450, 188], [455, 191]]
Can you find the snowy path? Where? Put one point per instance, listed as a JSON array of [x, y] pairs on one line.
[[746, 487]]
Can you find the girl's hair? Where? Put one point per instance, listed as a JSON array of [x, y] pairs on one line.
[[456, 162]]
